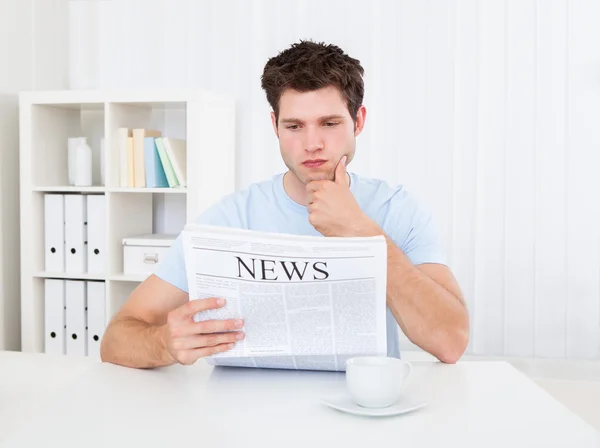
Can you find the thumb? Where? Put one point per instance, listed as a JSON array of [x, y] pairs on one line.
[[340, 172]]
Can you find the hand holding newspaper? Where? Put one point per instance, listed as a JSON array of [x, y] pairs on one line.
[[308, 302]]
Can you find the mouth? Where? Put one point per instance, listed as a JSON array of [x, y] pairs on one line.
[[315, 163]]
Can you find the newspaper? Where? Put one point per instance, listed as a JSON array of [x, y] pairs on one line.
[[308, 302]]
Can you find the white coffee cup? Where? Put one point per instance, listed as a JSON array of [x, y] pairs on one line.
[[376, 381]]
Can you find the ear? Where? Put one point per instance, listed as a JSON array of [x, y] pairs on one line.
[[274, 123], [361, 116]]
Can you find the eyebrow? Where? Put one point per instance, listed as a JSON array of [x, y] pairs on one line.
[[325, 118]]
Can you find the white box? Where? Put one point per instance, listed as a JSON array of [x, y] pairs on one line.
[[142, 254]]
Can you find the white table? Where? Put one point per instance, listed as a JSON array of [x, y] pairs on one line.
[[471, 404], [27, 380]]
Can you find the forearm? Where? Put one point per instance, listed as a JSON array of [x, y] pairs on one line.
[[431, 316], [133, 343]]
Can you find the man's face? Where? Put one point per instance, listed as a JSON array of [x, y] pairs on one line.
[[315, 131]]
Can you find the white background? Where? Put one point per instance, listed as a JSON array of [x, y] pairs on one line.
[[33, 44], [486, 110]]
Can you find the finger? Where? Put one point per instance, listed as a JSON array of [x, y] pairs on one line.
[[191, 356], [205, 327], [200, 341], [311, 208], [340, 172], [196, 305], [215, 326]]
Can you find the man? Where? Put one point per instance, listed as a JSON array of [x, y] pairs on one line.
[[316, 93]]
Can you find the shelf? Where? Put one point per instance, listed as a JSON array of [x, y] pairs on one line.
[[98, 98], [48, 119], [147, 190], [70, 275], [128, 278], [69, 189]]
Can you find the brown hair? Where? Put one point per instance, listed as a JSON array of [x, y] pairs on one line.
[[309, 66]]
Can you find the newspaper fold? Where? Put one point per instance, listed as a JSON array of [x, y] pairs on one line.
[[308, 302]]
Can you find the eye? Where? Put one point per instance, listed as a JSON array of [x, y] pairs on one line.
[[293, 127], [330, 124]]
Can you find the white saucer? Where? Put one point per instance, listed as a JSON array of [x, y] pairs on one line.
[[344, 403]]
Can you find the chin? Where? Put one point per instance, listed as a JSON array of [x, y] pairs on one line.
[[305, 175], [317, 176], [311, 175]]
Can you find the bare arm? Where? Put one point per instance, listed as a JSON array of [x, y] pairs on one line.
[[428, 305], [155, 328], [136, 336], [425, 299]]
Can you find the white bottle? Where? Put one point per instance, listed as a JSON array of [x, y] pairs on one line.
[[82, 173], [73, 142]]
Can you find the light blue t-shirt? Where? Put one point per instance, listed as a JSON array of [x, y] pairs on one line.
[[266, 207]]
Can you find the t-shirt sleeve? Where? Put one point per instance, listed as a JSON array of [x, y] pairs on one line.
[[172, 268], [417, 236]]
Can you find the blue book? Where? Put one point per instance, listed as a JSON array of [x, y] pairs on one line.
[[155, 174]]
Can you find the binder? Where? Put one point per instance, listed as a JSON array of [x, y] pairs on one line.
[[96, 231], [75, 233], [54, 317], [75, 295], [54, 232], [96, 316]]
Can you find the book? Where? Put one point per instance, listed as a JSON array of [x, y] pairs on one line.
[[166, 163], [123, 153], [176, 150], [130, 163], [139, 167], [155, 174]]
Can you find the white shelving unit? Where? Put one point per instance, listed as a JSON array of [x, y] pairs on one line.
[[205, 119]]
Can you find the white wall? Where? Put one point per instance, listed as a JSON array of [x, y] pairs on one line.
[[15, 21], [33, 39], [486, 110]]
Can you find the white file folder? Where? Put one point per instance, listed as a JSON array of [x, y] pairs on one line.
[[96, 232], [54, 317], [96, 315], [75, 293], [54, 232], [75, 233]]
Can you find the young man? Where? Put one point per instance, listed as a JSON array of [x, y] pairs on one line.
[[316, 93]]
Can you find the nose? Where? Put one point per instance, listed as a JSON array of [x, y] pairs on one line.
[[314, 141]]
